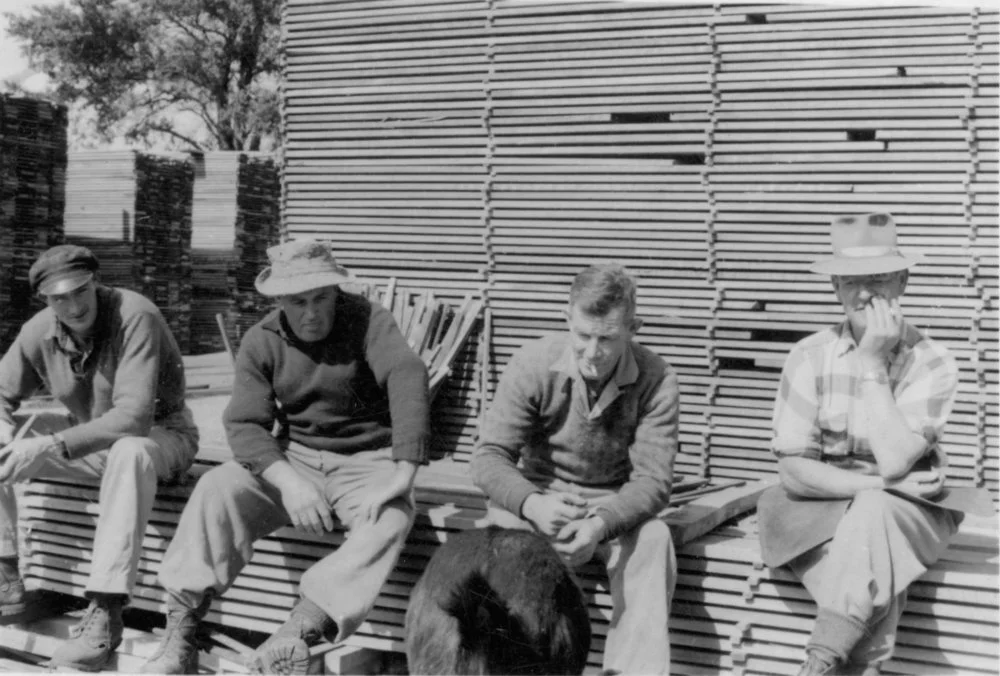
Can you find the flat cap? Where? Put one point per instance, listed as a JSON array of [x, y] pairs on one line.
[[62, 269]]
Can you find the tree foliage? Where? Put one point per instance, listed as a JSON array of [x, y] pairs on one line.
[[203, 73]]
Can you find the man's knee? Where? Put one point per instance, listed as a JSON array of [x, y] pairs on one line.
[[656, 533], [221, 484], [397, 517], [132, 452]]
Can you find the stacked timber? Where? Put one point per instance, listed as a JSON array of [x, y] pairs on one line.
[[509, 144], [234, 219], [133, 210], [730, 614], [32, 200], [162, 247], [829, 111], [387, 149], [100, 210]]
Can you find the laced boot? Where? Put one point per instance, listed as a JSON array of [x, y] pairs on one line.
[[95, 637], [818, 664], [178, 649], [287, 650], [11, 587]]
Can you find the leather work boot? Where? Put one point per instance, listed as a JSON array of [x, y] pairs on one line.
[[95, 637], [818, 664], [287, 650], [11, 588], [178, 649]]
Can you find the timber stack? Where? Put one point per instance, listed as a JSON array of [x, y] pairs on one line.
[[236, 218], [162, 247], [32, 199]]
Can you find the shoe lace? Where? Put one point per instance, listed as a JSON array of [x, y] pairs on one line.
[[173, 638], [90, 619]]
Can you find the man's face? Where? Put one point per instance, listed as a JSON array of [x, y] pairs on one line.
[[598, 342], [856, 292], [310, 313], [76, 309]]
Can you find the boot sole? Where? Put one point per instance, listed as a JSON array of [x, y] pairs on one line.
[[290, 656], [89, 668]]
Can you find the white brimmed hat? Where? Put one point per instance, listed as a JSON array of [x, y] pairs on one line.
[[864, 245], [298, 266]]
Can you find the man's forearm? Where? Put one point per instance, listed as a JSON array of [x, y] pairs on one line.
[[809, 478], [281, 475], [895, 446]]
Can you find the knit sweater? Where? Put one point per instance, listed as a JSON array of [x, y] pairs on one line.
[[361, 388], [540, 424], [131, 377]]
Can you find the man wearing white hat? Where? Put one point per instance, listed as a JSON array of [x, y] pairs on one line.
[[862, 510], [109, 357], [351, 400]]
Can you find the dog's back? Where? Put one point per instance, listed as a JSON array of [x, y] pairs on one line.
[[496, 601]]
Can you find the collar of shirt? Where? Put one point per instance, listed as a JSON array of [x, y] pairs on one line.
[[626, 373], [64, 340]]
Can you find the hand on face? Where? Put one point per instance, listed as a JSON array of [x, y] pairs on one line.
[[883, 324]]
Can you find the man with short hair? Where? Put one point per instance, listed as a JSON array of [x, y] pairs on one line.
[[862, 510], [351, 400], [109, 357], [579, 445]]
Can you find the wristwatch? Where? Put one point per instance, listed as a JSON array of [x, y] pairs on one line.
[[875, 376], [60, 446]]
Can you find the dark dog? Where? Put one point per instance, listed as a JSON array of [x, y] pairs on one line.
[[497, 601]]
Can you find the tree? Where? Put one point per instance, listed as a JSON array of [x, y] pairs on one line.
[[200, 73]]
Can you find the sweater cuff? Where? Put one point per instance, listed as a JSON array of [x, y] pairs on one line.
[[614, 525], [514, 500], [415, 451]]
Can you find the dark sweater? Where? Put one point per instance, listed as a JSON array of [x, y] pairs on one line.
[[131, 379], [361, 388]]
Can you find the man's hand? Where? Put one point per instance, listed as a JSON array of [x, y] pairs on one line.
[[577, 541], [921, 483], [306, 505], [883, 321], [398, 485], [23, 458], [549, 512]]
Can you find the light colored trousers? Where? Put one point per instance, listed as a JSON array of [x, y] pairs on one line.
[[859, 579], [642, 572], [230, 508], [128, 473]]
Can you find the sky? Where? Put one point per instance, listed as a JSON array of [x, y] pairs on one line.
[[12, 64]]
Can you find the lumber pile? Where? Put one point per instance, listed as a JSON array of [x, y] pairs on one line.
[[100, 210], [32, 200], [133, 210], [234, 219], [730, 614], [506, 145], [162, 248]]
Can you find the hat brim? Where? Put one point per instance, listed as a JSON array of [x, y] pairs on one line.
[[871, 265], [268, 285], [65, 284]]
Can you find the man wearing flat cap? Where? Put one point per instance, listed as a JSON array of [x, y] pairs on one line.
[[350, 398], [109, 357], [861, 510]]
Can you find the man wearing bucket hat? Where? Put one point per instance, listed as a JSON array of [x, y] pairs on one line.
[[109, 357], [351, 400], [861, 510]]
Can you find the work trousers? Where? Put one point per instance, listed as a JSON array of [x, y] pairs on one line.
[[231, 508], [128, 472], [642, 572], [860, 577]]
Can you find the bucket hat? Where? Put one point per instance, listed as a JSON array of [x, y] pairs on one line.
[[298, 266], [864, 245]]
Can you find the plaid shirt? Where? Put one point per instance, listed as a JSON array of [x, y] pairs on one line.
[[816, 414]]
